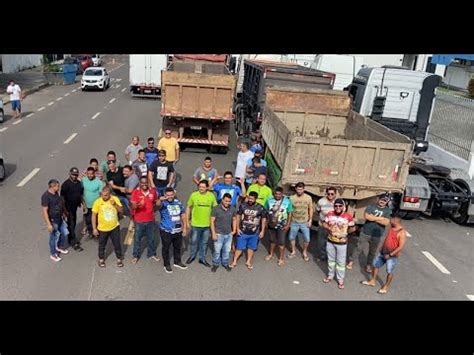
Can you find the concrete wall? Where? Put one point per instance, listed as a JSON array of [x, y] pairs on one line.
[[12, 63]]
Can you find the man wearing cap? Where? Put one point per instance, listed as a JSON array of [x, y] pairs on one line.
[[15, 98], [377, 216], [338, 224], [72, 191], [170, 145], [53, 211]]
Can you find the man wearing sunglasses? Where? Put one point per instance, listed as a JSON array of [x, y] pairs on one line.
[[338, 224], [170, 145], [324, 206]]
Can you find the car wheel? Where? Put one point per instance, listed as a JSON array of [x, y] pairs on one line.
[[2, 171], [1, 116]]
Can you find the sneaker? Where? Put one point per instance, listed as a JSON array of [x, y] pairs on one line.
[[227, 267], [180, 266], [168, 269], [62, 251], [214, 268], [55, 258], [78, 248], [134, 260], [154, 257]]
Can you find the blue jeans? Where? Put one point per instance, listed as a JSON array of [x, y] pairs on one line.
[[146, 228], [160, 191], [57, 237], [199, 235], [126, 204], [223, 243]]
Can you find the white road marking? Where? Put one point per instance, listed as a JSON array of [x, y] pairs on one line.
[[409, 235], [71, 137], [41, 108], [296, 282], [3, 129], [92, 282], [118, 86], [124, 89], [118, 79], [31, 114], [121, 65], [112, 100], [67, 94], [74, 90], [28, 177], [95, 116], [436, 263], [471, 297], [454, 281], [18, 121], [112, 79], [59, 99], [50, 103]]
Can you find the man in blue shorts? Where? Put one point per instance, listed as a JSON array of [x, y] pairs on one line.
[[251, 222]]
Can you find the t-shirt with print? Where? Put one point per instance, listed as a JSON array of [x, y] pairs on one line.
[[301, 205], [251, 217], [150, 155], [107, 214], [221, 189], [264, 192], [223, 222], [140, 168], [132, 150], [161, 172], [202, 205], [278, 211], [54, 204], [339, 226], [145, 213], [169, 145], [202, 174], [92, 189], [324, 207], [171, 213], [375, 229]]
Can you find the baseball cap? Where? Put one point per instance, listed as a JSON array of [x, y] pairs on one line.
[[384, 197], [339, 201], [74, 171]]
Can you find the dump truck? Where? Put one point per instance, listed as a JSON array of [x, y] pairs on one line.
[[262, 75], [196, 102], [315, 137]]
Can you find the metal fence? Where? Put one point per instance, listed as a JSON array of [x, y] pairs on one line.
[[452, 124]]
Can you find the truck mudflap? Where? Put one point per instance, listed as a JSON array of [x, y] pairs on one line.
[[203, 141], [416, 195]]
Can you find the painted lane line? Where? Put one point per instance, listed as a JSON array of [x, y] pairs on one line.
[[59, 99], [409, 235], [74, 90], [471, 297], [436, 263], [50, 103], [112, 100], [118, 79], [31, 114], [3, 129], [28, 177], [71, 137], [95, 116], [41, 108], [67, 94], [118, 86], [16, 122], [124, 89]]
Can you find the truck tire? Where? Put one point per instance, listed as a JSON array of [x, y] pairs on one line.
[[409, 215], [2, 171], [463, 216], [2, 116]]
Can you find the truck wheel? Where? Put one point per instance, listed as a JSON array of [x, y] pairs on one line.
[[408, 215], [462, 216], [2, 171], [2, 116], [214, 149]]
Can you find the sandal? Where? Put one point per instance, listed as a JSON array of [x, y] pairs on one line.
[[101, 263], [340, 285], [268, 257], [367, 283], [306, 258], [368, 269], [134, 260], [292, 255], [327, 280], [281, 262], [349, 265], [250, 267], [382, 291], [120, 263]]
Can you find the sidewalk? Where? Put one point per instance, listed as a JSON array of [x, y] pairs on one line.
[[30, 80]]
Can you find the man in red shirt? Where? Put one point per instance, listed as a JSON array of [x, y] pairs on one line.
[[143, 201]]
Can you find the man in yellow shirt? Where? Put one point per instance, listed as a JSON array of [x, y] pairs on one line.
[[171, 146], [105, 224]]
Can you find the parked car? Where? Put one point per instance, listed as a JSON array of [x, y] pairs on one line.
[[2, 113], [97, 60], [96, 77], [74, 60], [86, 61]]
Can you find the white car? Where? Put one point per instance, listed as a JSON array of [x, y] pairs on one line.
[[97, 60], [95, 77]]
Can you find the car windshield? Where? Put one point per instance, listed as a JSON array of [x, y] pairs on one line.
[[93, 72]]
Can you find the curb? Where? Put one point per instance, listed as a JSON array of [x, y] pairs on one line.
[[28, 91]]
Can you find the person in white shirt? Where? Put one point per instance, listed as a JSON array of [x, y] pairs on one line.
[[15, 98], [244, 155]]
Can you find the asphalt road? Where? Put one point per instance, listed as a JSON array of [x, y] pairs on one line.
[[61, 133]]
